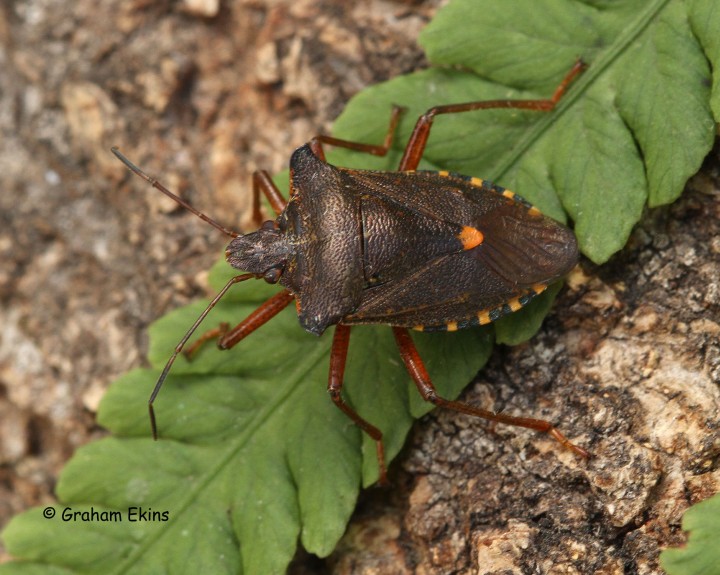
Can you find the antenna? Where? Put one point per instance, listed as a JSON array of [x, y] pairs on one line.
[[183, 341], [157, 185], [178, 349]]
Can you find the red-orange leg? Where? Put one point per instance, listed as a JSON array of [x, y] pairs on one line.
[[262, 183], [376, 150], [263, 314], [216, 333], [418, 139], [268, 310], [419, 374], [338, 357], [228, 338]]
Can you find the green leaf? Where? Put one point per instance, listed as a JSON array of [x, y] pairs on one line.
[[704, 16], [253, 454], [634, 127], [251, 447], [701, 555], [519, 327]]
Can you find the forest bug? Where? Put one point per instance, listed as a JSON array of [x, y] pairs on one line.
[[424, 250]]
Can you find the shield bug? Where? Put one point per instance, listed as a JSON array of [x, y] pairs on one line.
[[413, 249]]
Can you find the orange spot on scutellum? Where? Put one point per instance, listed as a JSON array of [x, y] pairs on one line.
[[470, 237]]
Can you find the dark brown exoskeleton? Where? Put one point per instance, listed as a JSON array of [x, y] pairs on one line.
[[412, 249]]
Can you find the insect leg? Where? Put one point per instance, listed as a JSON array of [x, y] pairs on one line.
[[228, 338], [262, 182], [418, 139], [376, 150], [419, 374], [338, 356]]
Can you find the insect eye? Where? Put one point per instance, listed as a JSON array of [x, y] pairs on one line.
[[268, 225], [272, 276]]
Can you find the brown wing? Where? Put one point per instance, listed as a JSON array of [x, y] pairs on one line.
[[448, 289], [522, 251]]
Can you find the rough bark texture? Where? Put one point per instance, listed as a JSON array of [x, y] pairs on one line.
[[628, 364]]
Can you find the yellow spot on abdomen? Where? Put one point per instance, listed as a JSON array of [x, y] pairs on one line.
[[515, 304], [483, 317], [470, 237]]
